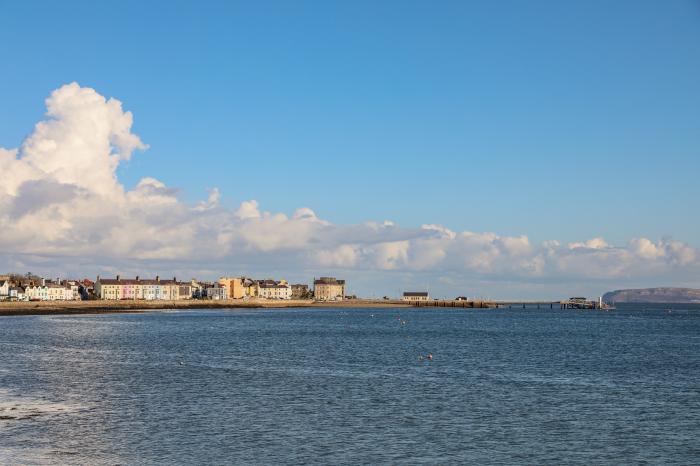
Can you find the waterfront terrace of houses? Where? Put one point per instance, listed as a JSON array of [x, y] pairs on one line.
[[245, 288], [32, 288], [140, 288], [51, 292], [216, 292], [272, 289]]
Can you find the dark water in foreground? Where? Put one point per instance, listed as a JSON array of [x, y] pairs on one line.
[[347, 387]]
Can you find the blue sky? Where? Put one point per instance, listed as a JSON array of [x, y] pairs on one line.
[[555, 120]]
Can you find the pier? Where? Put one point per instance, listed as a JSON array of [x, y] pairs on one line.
[[571, 303], [477, 304], [530, 304], [455, 303]]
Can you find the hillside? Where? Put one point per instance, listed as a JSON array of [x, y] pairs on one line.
[[654, 295]]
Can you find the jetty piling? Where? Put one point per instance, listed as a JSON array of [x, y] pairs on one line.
[[572, 303]]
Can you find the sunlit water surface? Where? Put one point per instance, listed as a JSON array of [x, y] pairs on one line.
[[335, 386]]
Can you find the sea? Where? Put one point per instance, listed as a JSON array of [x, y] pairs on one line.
[[353, 386]]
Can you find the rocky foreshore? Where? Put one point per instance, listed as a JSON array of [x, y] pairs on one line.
[[19, 308]]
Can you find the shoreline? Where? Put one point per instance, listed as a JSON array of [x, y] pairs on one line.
[[24, 308]]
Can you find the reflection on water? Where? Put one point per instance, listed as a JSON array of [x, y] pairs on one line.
[[351, 386], [17, 407]]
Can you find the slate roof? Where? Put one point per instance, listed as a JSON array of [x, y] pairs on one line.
[[133, 281], [416, 293]]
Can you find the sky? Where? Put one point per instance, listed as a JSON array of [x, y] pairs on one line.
[[500, 149]]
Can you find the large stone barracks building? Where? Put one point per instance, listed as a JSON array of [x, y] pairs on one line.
[[329, 289]]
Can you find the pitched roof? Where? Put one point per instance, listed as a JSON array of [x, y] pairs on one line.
[[415, 293], [271, 284], [133, 281]]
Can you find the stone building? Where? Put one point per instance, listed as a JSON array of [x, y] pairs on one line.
[[329, 289]]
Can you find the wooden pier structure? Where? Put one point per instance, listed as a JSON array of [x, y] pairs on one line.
[[572, 303], [454, 303]]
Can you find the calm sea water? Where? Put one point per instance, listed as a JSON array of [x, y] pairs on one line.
[[348, 387]]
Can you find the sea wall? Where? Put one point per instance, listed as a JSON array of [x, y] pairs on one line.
[[100, 306]]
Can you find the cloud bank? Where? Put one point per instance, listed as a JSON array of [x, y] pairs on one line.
[[62, 203]]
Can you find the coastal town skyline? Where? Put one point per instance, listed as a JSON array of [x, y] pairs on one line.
[[243, 291], [310, 232], [397, 184], [400, 258], [30, 287]]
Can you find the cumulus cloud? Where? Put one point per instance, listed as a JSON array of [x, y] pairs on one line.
[[60, 198], [343, 256], [595, 243]]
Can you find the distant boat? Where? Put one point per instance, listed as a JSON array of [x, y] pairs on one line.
[[603, 306]]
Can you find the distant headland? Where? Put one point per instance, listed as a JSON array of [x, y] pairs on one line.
[[654, 295]]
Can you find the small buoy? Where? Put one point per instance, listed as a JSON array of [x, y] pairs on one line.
[[430, 356], [182, 363]]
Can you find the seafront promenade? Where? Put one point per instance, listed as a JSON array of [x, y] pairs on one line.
[[101, 306], [10, 308]]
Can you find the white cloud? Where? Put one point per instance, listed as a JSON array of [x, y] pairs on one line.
[[80, 143], [248, 210], [595, 243], [61, 202], [344, 256]]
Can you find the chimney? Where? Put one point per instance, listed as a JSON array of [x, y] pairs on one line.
[[117, 277], [137, 278], [174, 279], [98, 278], [157, 278]]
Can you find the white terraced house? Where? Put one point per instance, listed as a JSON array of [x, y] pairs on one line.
[[37, 292]]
